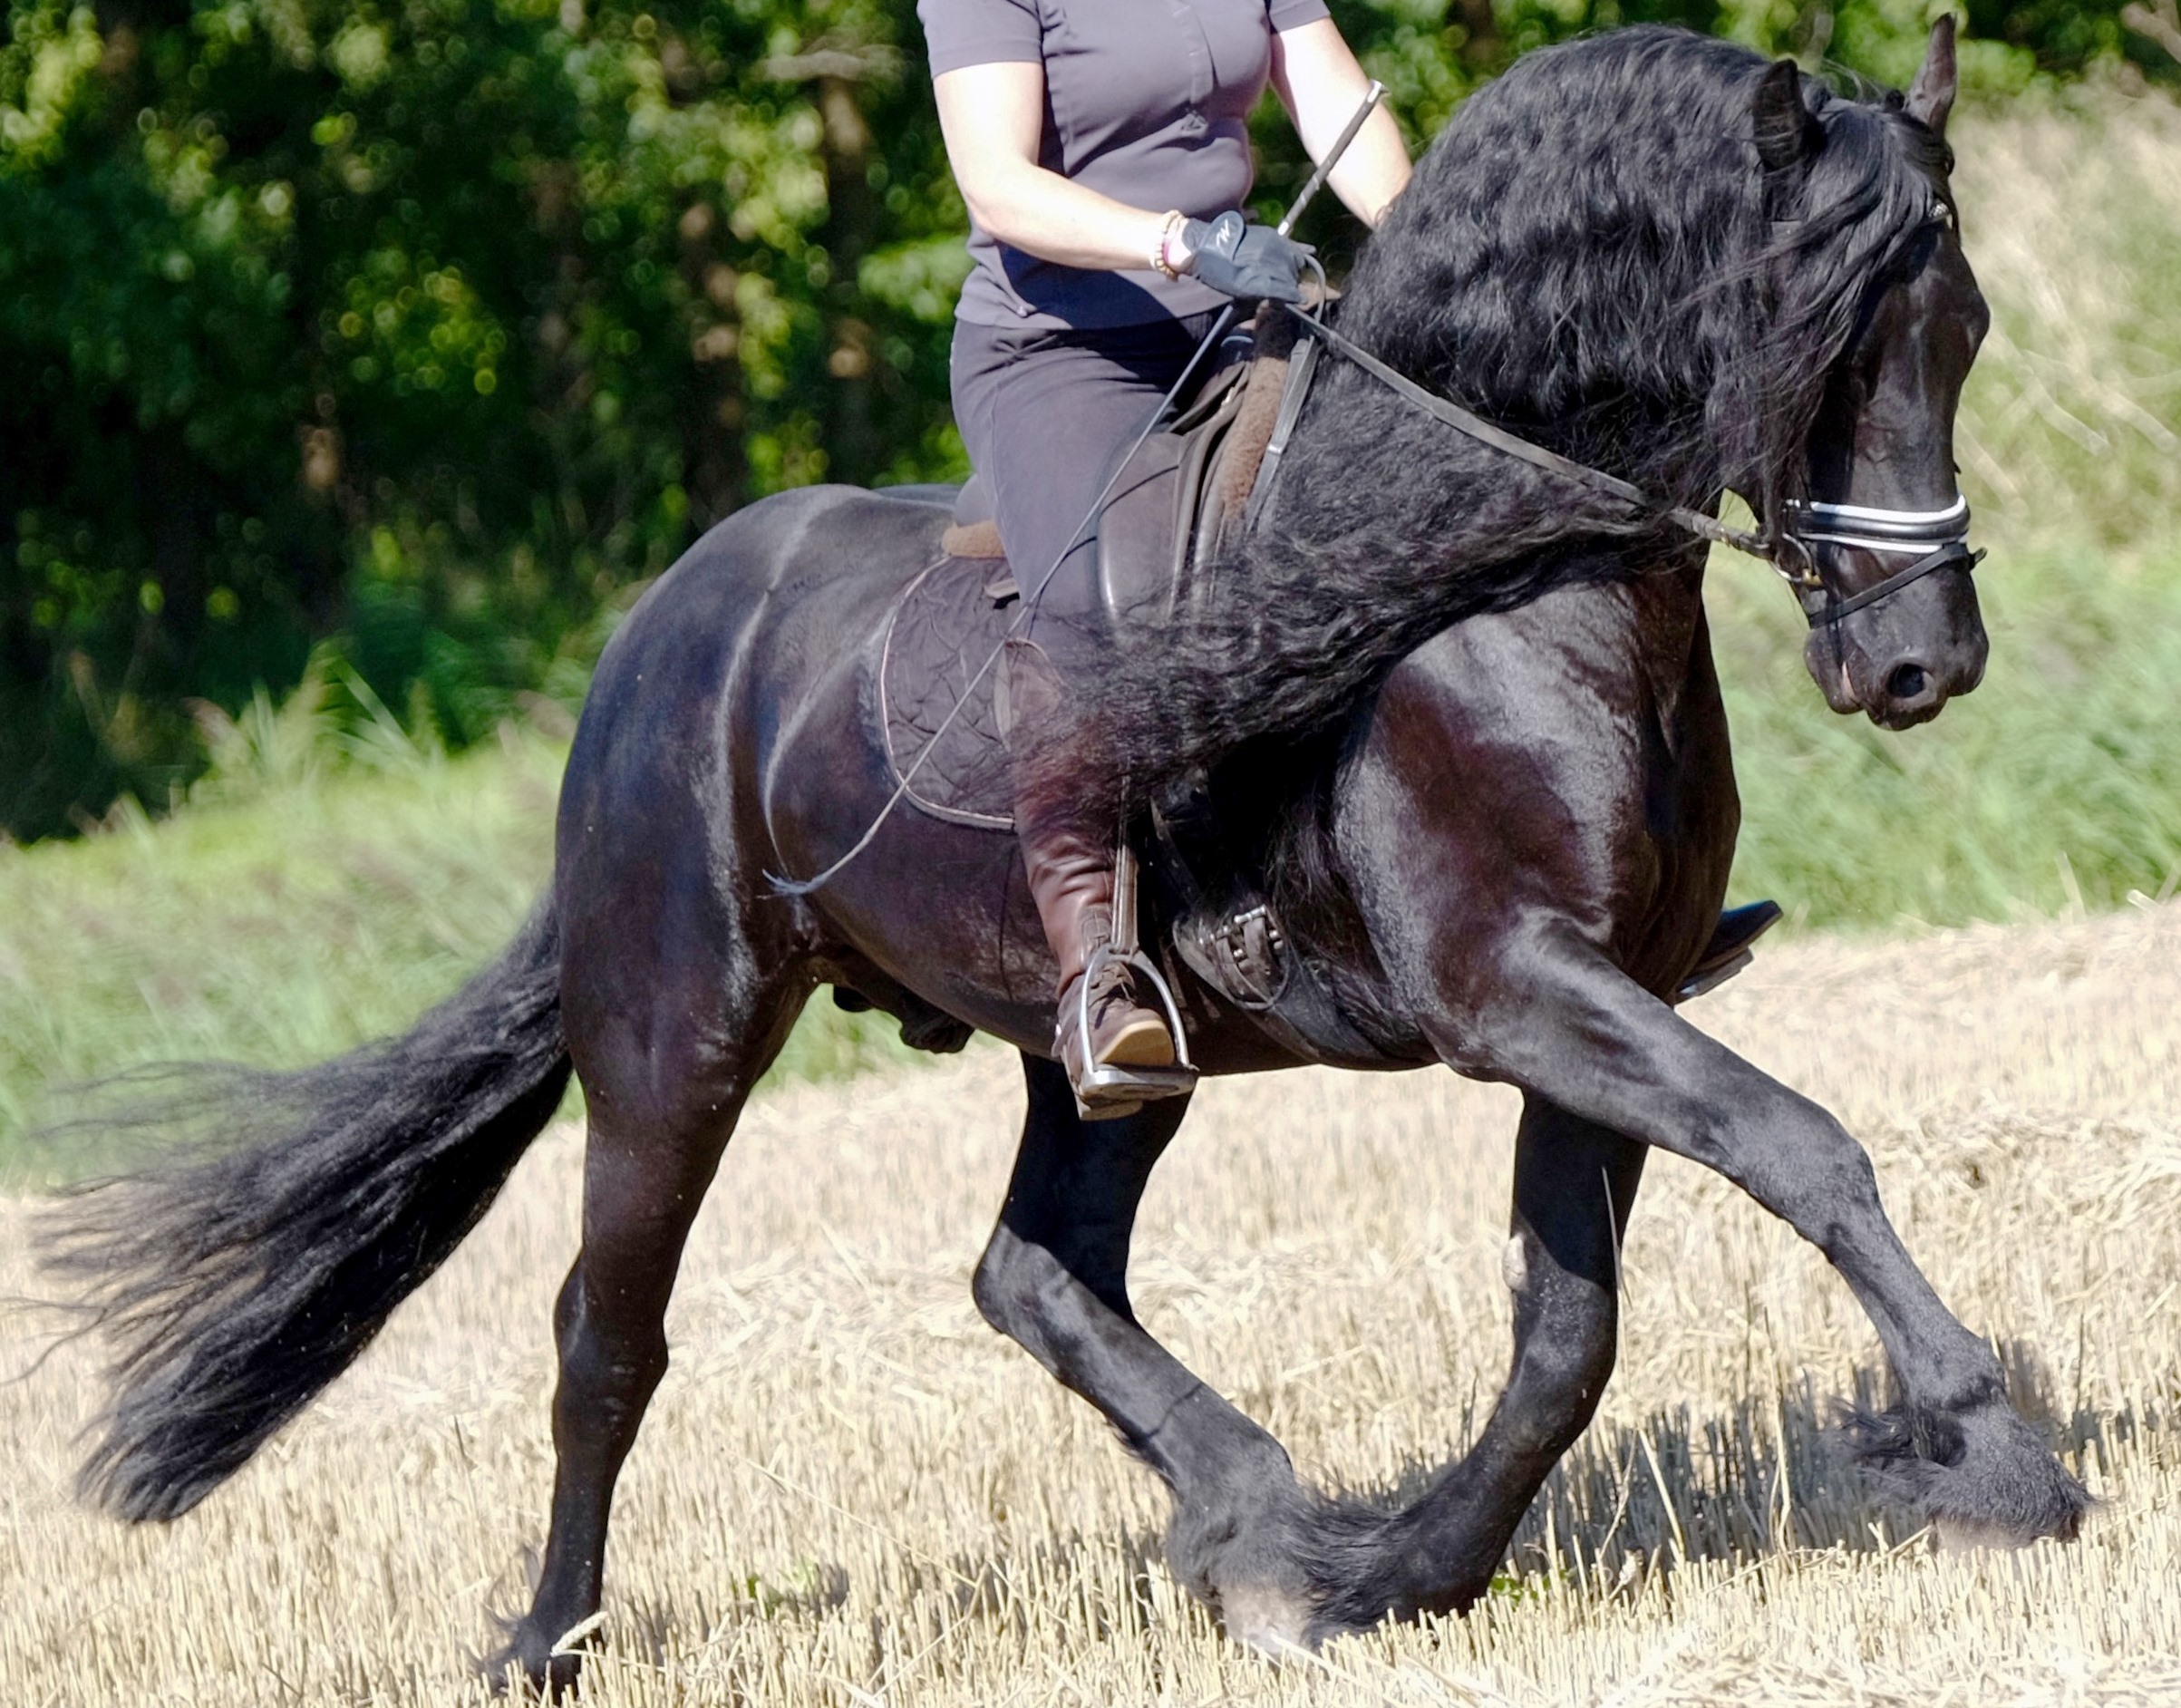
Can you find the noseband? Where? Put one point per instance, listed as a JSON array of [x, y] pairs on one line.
[[1939, 538]]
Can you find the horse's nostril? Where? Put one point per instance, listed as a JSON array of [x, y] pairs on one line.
[[1906, 682]]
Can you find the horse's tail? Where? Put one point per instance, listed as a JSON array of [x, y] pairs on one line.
[[236, 1286]]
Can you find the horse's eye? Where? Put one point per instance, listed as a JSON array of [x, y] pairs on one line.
[[1941, 215]]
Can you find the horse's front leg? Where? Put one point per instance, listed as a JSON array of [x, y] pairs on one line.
[[1054, 1278], [1552, 1014]]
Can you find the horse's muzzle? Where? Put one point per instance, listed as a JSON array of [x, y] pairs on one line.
[[1900, 661]]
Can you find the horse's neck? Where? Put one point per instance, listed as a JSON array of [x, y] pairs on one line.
[[1668, 637]]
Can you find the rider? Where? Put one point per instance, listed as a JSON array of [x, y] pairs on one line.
[[1102, 147]]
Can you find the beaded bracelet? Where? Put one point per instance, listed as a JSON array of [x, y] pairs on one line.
[[1168, 228]]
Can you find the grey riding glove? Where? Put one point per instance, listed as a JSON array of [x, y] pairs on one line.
[[1231, 254]]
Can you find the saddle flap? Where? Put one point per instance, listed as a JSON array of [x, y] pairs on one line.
[[1152, 533], [1185, 490], [1136, 532]]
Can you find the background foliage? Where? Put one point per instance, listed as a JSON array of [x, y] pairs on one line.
[[427, 327]]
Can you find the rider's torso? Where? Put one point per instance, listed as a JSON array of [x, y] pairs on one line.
[[1147, 101]]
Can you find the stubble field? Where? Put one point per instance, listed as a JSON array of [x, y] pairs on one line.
[[850, 1491]]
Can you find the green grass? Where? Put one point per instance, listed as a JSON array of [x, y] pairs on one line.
[[2057, 785]]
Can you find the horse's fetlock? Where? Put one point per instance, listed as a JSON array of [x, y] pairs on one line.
[[1974, 1386]]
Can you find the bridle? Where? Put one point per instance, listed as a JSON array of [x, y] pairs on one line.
[[1939, 540], [1936, 539]]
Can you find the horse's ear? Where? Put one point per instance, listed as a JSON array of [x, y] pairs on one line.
[[1786, 136], [1931, 96]]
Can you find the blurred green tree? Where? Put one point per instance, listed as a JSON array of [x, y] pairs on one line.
[[429, 323], [432, 325]]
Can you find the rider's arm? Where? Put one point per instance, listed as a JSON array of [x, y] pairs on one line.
[[991, 117], [1320, 85]]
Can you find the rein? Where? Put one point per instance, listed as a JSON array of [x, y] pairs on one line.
[[1942, 535]]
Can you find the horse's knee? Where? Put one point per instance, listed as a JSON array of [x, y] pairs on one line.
[[1800, 1164], [1816, 1177], [1848, 1205]]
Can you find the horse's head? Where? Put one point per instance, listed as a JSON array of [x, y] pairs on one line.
[[1882, 502]]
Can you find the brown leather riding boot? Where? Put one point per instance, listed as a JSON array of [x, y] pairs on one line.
[[1071, 882]]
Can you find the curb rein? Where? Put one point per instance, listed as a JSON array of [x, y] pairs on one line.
[[1941, 536]]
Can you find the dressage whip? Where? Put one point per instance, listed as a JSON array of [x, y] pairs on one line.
[[791, 887]]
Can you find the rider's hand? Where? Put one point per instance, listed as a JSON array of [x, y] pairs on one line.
[[1233, 255]]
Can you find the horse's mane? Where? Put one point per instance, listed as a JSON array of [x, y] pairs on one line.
[[1592, 253]]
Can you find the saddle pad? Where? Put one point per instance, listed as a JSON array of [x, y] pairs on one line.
[[942, 629]]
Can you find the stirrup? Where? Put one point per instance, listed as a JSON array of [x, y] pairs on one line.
[[1108, 1091], [1732, 947]]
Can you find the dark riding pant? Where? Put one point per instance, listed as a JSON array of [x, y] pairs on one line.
[[1044, 416]]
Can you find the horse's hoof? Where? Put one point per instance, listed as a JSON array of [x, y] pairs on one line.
[[1271, 1618], [528, 1670], [1980, 1478], [1967, 1536]]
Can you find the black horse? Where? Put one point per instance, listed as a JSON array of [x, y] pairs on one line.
[[1648, 250]]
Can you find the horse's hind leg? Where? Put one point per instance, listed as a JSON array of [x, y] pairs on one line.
[[1054, 1278], [1574, 1184], [665, 1079]]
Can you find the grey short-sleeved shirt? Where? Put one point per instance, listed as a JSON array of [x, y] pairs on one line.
[[1147, 101]]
